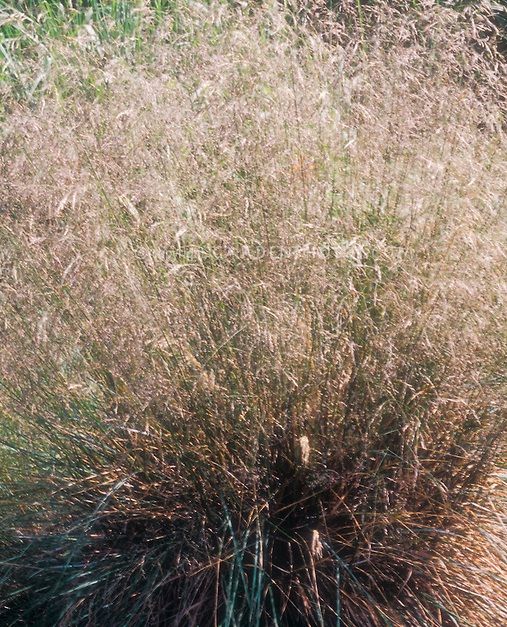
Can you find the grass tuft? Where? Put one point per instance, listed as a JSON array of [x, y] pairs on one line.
[[252, 269]]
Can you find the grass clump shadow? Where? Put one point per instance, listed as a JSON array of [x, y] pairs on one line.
[[253, 344]]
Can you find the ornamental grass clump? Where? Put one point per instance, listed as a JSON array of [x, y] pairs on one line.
[[253, 344]]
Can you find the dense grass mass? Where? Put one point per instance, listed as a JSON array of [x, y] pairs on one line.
[[253, 343]]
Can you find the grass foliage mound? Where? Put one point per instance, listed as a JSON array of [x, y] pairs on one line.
[[253, 342]]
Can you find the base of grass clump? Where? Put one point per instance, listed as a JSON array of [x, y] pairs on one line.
[[224, 513]]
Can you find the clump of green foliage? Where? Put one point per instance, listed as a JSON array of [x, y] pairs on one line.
[[253, 350]]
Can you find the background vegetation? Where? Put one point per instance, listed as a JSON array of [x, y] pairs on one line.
[[253, 343]]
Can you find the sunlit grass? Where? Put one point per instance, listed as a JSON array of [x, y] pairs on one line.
[[253, 344]]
